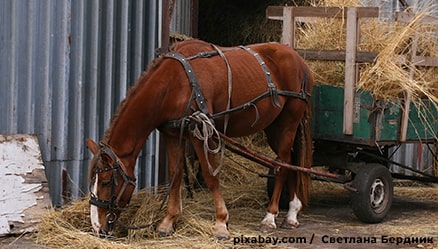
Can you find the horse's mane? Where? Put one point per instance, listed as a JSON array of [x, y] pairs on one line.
[[131, 93], [188, 46]]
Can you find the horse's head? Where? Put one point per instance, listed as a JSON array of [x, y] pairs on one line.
[[111, 187]]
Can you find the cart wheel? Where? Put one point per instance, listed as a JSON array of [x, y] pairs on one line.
[[375, 191], [284, 198]]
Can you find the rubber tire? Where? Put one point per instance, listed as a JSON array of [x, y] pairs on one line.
[[284, 198], [372, 178]]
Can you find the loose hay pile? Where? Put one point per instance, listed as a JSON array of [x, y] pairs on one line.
[[244, 192]]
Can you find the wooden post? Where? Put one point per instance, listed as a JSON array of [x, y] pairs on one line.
[[408, 95], [288, 31], [350, 70]]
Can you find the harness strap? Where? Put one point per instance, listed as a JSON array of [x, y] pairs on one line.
[[272, 89], [197, 95], [196, 88]]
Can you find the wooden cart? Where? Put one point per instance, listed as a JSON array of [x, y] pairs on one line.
[[352, 131]]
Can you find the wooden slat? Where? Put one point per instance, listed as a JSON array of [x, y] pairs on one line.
[[350, 70], [425, 61], [288, 31], [409, 17], [276, 12], [335, 55]]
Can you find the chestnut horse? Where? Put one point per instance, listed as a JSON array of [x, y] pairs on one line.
[[241, 90]]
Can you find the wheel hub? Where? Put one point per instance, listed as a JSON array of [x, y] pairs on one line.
[[377, 194]]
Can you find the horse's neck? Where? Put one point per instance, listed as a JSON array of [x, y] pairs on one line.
[[130, 129]]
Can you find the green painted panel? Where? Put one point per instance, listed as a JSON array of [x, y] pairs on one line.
[[423, 121], [374, 121], [388, 123]]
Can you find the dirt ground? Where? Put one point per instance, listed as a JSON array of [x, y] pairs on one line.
[[329, 223], [330, 219]]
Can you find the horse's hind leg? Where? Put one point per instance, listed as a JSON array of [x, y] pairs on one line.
[[175, 154], [299, 182], [281, 135], [212, 182], [295, 205]]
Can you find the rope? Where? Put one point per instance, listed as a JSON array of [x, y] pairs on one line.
[[203, 130]]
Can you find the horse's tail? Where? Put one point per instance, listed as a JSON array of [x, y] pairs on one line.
[[304, 149]]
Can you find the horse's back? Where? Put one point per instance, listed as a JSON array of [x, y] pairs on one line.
[[247, 79]]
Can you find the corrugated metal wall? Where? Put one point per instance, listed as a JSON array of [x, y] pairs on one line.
[[181, 25], [64, 67], [416, 156]]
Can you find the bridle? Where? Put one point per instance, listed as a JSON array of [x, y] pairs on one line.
[[117, 168]]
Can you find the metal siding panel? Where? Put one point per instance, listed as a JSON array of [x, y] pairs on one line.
[[24, 76], [180, 22], [58, 80], [70, 65], [153, 21], [138, 36], [414, 155], [76, 89], [5, 68], [92, 71], [11, 87], [41, 68], [122, 60], [107, 61]]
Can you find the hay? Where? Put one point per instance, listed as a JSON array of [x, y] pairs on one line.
[[70, 227], [387, 78], [244, 192]]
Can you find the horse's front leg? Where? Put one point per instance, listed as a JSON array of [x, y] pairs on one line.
[[212, 182], [175, 155]]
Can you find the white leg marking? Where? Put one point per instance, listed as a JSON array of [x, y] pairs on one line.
[[94, 215], [269, 220], [294, 207]]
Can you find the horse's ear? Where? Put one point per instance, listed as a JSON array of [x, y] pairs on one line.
[[92, 146]]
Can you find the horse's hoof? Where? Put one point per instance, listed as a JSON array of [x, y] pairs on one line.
[[222, 236], [264, 228], [221, 232], [289, 225], [164, 232]]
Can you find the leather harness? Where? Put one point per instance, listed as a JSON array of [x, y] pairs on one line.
[[200, 100]]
